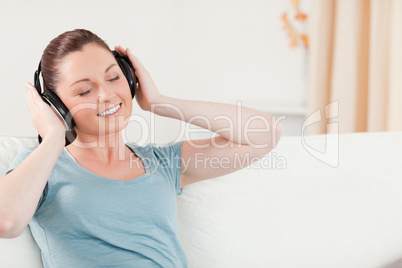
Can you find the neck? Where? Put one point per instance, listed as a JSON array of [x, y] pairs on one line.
[[105, 149]]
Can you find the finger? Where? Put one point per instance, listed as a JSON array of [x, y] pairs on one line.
[[33, 90], [28, 86], [30, 102], [120, 50], [30, 91], [116, 48], [134, 60], [34, 94], [29, 94]]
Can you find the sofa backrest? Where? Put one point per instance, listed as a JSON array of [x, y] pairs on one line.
[[319, 201]]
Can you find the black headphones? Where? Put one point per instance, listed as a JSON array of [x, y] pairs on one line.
[[49, 97]]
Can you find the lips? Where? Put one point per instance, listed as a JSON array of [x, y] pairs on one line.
[[110, 111]]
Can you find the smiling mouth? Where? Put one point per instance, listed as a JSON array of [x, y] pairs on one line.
[[111, 111]]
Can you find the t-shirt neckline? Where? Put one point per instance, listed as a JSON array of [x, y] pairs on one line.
[[97, 177]]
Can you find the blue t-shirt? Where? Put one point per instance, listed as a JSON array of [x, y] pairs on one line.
[[86, 220]]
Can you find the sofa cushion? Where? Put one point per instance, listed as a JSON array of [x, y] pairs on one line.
[[21, 251], [305, 214], [294, 208], [9, 148]]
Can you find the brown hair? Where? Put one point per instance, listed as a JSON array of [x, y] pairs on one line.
[[60, 47]]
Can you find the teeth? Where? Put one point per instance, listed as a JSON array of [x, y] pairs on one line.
[[114, 109]]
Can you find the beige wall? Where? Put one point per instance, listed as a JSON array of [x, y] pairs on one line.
[[213, 50]]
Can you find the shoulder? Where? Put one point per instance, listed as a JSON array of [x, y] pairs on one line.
[[27, 150], [172, 147], [14, 158], [158, 153], [24, 152]]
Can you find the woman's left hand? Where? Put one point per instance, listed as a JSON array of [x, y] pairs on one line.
[[146, 92]]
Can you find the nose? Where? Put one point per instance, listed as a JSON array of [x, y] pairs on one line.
[[105, 93]]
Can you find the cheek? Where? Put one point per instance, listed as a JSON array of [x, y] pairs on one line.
[[83, 112], [83, 117], [128, 106], [125, 94], [83, 109], [123, 86]]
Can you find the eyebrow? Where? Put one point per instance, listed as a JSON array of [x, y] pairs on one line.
[[87, 79]]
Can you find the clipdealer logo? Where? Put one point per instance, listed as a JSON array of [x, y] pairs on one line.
[[173, 161], [330, 154]]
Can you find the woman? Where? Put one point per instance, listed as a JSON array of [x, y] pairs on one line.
[[87, 204]]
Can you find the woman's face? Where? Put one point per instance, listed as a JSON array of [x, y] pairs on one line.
[[92, 86]]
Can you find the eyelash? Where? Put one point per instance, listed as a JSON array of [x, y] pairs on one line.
[[114, 79], [85, 93], [111, 80]]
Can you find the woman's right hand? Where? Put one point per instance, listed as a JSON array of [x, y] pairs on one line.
[[44, 119]]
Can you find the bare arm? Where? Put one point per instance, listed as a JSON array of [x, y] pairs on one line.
[[244, 133], [21, 189]]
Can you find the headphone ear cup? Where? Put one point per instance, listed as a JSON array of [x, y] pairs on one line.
[[128, 71], [37, 82], [58, 107], [64, 114]]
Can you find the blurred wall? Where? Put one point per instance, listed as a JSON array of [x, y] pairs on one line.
[[234, 52]]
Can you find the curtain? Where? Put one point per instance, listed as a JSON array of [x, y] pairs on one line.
[[355, 66]]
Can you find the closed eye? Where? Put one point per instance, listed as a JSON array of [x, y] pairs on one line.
[[114, 79], [84, 93], [110, 80]]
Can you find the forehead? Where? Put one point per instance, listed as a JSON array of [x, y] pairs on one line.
[[90, 61]]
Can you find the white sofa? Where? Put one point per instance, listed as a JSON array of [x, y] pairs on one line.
[[296, 208]]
